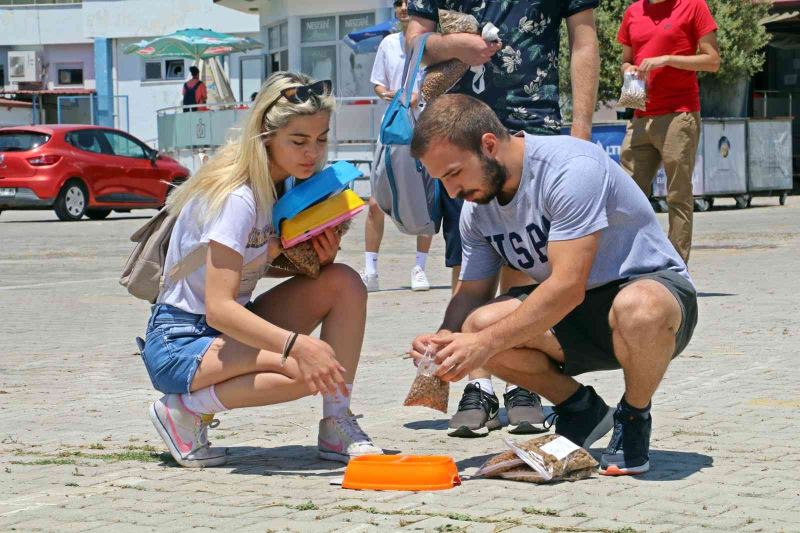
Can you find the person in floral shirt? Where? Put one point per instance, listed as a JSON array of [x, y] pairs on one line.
[[518, 78]]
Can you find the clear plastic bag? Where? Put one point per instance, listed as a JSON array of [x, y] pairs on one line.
[[541, 460], [634, 92], [427, 389]]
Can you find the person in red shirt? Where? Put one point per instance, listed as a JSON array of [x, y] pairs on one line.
[[666, 42], [194, 91]]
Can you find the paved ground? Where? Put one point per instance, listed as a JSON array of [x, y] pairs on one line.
[[77, 451]]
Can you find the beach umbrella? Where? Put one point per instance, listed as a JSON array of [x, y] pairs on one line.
[[192, 43], [366, 40]]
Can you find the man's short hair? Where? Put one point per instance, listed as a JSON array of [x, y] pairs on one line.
[[397, 3], [459, 119], [194, 70]]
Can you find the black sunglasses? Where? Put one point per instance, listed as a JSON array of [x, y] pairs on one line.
[[301, 93]]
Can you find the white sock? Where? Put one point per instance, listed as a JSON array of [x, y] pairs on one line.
[[203, 401], [422, 257], [370, 263], [485, 383], [337, 405], [510, 387]]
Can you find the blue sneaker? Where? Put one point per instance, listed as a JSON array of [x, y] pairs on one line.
[[584, 420], [628, 453]]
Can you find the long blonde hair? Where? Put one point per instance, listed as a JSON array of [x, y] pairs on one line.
[[246, 162]]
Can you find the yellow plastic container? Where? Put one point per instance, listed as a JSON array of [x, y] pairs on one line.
[[317, 218], [401, 472]]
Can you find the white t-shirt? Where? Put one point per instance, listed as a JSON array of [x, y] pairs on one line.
[[389, 62], [239, 226]]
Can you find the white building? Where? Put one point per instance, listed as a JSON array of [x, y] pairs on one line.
[[74, 39]]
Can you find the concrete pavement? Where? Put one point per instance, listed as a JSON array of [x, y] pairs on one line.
[[78, 453]]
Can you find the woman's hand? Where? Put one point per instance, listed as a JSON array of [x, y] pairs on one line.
[[274, 248], [326, 244], [318, 365]]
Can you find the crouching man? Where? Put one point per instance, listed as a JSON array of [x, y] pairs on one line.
[[612, 291]]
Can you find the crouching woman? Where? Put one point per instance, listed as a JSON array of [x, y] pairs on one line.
[[208, 347]]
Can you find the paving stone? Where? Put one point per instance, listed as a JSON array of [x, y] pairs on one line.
[[726, 418]]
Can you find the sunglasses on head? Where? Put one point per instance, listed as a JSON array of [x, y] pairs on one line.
[[301, 93]]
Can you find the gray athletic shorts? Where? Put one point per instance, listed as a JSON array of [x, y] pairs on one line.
[[585, 334]]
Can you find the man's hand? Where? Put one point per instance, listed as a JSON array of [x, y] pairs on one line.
[[388, 95], [326, 244], [422, 344], [472, 49], [650, 64], [459, 354]]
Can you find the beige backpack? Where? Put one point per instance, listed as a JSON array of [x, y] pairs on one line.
[[143, 274]]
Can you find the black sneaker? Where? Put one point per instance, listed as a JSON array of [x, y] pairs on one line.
[[524, 410], [584, 420], [477, 413], [628, 453]]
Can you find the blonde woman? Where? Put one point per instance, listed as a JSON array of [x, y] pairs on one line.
[[208, 347]]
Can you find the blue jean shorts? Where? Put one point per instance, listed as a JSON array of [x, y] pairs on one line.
[[175, 343]]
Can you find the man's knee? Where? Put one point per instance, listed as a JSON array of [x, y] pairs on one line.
[[646, 306], [479, 319]]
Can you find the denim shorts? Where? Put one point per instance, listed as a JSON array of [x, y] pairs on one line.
[[175, 343]]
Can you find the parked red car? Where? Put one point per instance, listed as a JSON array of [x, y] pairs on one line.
[[82, 170]]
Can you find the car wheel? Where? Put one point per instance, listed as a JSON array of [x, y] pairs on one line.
[[98, 214], [71, 202]]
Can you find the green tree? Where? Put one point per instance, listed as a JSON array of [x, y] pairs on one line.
[[741, 37]]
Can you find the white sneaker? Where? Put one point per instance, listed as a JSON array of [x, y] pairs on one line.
[[341, 438], [419, 281], [185, 433], [371, 281]]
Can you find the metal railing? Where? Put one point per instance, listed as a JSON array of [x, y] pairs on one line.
[[193, 133]]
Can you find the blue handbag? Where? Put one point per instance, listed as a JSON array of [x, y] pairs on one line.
[[401, 186]]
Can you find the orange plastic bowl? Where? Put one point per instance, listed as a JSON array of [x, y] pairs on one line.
[[401, 472]]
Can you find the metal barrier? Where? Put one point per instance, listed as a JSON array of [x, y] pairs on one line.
[[193, 133]]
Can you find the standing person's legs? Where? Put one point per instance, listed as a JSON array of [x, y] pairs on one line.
[[639, 156], [419, 280], [681, 134], [373, 235]]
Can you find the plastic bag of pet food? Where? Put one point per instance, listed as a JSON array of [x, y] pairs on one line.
[[634, 92], [427, 389], [541, 460]]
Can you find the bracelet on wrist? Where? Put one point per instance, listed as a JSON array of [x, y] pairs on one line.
[[287, 347]]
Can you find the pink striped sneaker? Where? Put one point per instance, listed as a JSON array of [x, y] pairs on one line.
[[341, 438], [186, 433]]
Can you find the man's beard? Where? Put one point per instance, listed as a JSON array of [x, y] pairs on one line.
[[495, 176]]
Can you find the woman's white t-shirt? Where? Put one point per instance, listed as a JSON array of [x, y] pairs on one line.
[[239, 226]]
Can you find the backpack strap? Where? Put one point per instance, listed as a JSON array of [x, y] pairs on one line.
[[188, 264]]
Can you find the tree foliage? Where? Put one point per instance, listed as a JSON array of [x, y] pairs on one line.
[[741, 37]]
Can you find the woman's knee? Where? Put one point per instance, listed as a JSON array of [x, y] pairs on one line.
[[343, 281]]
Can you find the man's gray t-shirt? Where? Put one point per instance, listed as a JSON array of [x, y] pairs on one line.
[[569, 189]]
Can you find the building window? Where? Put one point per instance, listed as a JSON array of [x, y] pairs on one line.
[[152, 70], [69, 74], [324, 56], [165, 69], [174, 69], [278, 45]]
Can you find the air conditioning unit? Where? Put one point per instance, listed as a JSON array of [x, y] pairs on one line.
[[24, 66]]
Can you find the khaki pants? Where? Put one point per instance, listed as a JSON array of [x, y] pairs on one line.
[[671, 139]]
